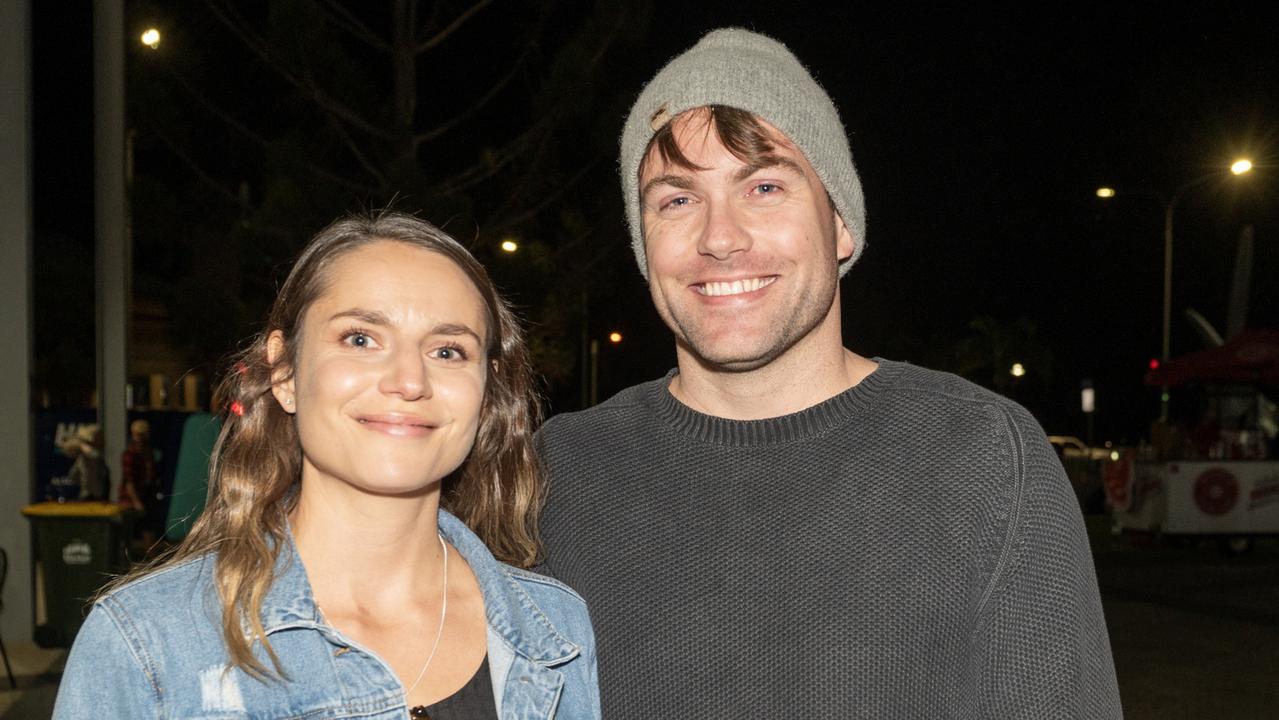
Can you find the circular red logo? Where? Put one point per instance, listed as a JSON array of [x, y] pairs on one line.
[[1216, 491]]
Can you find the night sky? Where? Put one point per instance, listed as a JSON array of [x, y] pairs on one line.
[[980, 134]]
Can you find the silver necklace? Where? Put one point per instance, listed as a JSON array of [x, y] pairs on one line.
[[444, 609]]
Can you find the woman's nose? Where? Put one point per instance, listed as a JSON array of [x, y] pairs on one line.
[[406, 375]]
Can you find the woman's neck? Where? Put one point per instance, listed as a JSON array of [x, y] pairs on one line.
[[366, 553]]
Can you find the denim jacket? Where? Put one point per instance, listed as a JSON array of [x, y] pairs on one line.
[[154, 649]]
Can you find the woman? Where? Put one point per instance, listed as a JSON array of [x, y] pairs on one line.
[[376, 457]]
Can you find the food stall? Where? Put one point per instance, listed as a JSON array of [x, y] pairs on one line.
[[1216, 473]]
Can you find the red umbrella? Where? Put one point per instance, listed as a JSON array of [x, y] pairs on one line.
[[1252, 356]]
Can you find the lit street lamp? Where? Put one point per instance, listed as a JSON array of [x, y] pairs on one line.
[[151, 38], [1239, 167]]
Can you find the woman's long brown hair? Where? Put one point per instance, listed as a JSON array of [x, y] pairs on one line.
[[256, 465]]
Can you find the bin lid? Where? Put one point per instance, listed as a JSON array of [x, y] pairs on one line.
[[87, 508]]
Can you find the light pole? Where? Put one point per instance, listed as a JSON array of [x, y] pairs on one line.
[[1238, 167]]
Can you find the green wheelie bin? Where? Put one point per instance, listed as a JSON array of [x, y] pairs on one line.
[[79, 547]]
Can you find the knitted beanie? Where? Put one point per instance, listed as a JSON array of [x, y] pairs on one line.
[[751, 72]]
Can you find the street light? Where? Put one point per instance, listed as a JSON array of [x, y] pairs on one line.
[[151, 38], [1239, 167]]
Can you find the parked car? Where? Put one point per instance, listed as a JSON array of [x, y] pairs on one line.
[[1084, 468]]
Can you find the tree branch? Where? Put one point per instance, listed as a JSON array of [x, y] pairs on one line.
[[517, 191], [342, 18], [359, 154], [191, 163], [458, 119], [479, 172], [443, 35], [351, 145], [238, 27], [552, 198], [244, 130]]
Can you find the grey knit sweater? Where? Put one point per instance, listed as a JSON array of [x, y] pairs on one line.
[[910, 548]]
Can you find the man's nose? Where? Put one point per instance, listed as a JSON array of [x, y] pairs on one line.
[[724, 233]]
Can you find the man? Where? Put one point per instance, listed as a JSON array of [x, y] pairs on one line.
[[781, 527]]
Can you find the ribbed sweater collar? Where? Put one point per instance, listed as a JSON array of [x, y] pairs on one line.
[[809, 422]]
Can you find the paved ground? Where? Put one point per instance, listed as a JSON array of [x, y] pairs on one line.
[[1195, 633], [36, 671]]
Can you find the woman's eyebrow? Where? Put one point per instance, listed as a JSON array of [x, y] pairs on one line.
[[372, 317], [455, 329]]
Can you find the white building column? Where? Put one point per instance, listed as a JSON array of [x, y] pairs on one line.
[[114, 262], [16, 428]]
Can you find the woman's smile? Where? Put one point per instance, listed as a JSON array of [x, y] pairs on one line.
[[397, 424]]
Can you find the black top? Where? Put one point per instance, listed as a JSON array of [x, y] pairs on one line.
[[473, 702]]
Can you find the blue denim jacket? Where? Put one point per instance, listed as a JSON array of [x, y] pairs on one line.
[[153, 649]]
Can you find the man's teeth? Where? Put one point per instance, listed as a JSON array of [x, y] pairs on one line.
[[736, 287]]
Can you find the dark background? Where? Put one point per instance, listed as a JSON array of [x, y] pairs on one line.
[[980, 133]]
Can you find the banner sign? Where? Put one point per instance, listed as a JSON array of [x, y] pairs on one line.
[[1200, 497], [53, 465]]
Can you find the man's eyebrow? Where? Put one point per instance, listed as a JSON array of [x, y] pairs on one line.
[[767, 163], [683, 182]]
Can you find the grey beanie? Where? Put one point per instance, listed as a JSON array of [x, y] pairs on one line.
[[752, 72]]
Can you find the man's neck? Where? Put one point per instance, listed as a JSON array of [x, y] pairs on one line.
[[787, 385]]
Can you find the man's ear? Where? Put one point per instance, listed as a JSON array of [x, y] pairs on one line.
[[844, 240], [282, 385]]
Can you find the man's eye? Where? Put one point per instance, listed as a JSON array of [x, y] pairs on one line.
[[679, 202], [767, 188], [357, 339], [450, 352]]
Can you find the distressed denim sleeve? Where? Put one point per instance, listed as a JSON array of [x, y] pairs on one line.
[[106, 676]]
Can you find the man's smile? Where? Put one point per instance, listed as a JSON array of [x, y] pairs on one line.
[[733, 287]]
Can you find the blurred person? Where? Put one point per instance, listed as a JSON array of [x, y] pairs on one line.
[[1205, 436], [835, 536], [373, 478], [137, 469], [89, 471]]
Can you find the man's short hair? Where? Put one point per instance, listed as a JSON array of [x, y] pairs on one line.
[[740, 132], [753, 73]]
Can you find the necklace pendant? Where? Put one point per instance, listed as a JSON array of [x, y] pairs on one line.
[[418, 712]]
